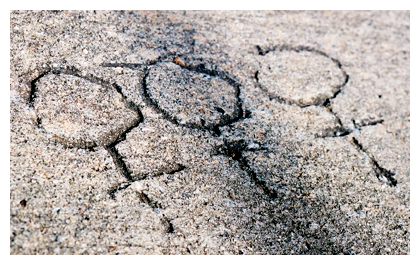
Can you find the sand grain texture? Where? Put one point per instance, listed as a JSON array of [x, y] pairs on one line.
[[252, 132]]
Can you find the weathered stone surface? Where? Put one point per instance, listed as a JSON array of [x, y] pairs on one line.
[[179, 132], [79, 112], [300, 77], [190, 97]]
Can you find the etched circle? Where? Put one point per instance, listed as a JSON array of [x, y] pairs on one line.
[[81, 113], [190, 97], [302, 78]]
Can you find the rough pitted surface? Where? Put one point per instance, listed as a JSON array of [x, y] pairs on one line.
[[148, 154], [300, 77], [101, 112], [246, 132], [191, 97], [156, 148]]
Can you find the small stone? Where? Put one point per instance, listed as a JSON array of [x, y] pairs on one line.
[[119, 70], [361, 214], [314, 225]]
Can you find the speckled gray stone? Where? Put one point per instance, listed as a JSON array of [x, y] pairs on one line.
[[209, 132], [191, 97], [60, 98], [300, 77]]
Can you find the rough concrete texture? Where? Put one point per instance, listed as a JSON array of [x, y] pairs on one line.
[[209, 132]]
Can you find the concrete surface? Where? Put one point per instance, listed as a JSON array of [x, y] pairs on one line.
[[210, 132]]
